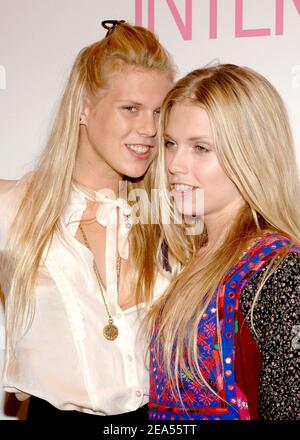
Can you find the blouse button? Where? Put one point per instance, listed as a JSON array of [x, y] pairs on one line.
[[130, 358], [138, 393]]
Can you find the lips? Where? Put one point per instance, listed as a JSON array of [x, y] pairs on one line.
[[138, 148], [182, 188], [141, 151]]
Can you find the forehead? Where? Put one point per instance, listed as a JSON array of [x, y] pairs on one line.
[[137, 84], [188, 120]]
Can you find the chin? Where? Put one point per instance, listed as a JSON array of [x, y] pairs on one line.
[[136, 173], [186, 210], [189, 214]]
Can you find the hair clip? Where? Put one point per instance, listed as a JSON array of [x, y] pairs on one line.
[[111, 25]]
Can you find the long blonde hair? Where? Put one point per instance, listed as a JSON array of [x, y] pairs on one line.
[[49, 185], [254, 146]]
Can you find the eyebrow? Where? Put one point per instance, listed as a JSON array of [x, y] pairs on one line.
[[131, 101], [193, 139], [134, 103]]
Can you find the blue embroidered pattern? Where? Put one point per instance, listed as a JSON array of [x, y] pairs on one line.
[[199, 402]]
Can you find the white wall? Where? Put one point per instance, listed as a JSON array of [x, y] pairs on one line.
[[39, 40]]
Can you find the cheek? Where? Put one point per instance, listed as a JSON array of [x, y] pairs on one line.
[[214, 181], [223, 188], [168, 158], [97, 123], [122, 124], [208, 173], [108, 121]]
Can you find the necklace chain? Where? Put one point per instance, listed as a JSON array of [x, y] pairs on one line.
[[110, 331]]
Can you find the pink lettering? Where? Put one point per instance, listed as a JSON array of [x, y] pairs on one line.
[[239, 30], [151, 15], [139, 12], [185, 30], [297, 5], [213, 19], [184, 25], [279, 17]]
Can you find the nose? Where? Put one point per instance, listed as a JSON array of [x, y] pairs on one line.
[[177, 161], [147, 125]]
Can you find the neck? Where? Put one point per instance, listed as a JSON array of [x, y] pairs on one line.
[[217, 223], [92, 171]]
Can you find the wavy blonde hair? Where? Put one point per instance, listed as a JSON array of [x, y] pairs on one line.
[[254, 146], [49, 185]]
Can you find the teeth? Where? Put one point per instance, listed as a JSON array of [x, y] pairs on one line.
[[182, 187], [139, 148]]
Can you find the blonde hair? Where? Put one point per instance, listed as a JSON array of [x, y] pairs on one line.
[[41, 208], [254, 146]]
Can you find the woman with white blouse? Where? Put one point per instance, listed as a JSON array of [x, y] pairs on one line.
[[77, 268]]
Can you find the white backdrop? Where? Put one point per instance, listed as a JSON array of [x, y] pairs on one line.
[[40, 39]]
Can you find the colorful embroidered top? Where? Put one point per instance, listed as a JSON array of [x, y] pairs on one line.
[[253, 382]]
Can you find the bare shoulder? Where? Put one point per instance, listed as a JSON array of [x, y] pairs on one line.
[[14, 186], [6, 185], [11, 194]]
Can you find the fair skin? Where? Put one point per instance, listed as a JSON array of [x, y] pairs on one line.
[[192, 161], [118, 137], [118, 130], [6, 185]]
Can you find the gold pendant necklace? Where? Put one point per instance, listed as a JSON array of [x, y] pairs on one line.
[[110, 331]]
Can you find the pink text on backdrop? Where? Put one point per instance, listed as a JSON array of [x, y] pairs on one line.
[[185, 25], [184, 28]]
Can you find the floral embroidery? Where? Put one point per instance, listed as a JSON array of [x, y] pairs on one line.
[[199, 402]]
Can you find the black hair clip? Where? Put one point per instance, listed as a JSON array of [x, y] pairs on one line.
[[111, 25]]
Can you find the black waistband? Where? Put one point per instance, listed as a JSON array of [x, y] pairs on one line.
[[39, 409]]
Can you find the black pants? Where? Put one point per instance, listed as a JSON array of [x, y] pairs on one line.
[[41, 410]]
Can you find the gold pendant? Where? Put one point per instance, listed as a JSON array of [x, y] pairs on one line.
[[110, 332]]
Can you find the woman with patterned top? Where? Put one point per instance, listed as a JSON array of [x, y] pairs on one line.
[[223, 337]]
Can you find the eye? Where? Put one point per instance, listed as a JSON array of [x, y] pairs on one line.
[[169, 144], [157, 112], [130, 108], [201, 149]]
